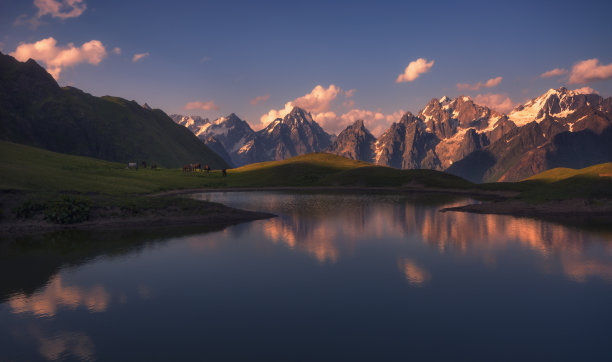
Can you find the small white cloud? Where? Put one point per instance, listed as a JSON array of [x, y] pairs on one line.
[[488, 84], [589, 71], [499, 102], [205, 59], [259, 99], [553, 73], [137, 57], [414, 70], [205, 106], [55, 58]]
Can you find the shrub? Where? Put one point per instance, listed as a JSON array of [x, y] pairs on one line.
[[29, 208], [68, 210]]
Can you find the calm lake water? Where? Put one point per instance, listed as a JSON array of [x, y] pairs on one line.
[[333, 277]]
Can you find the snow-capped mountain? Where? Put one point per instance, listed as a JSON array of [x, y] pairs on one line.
[[445, 131], [559, 104], [295, 134], [193, 123], [230, 132], [560, 128]]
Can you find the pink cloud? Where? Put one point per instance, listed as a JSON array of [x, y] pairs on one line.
[[376, 122], [414, 70], [589, 71], [55, 58], [60, 9], [488, 84], [205, 106], [585, 90], [553, 73], [499, 102], [139, 56], [319, 100], [117, 51], [259, 99]]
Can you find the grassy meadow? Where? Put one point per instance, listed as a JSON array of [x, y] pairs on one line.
[[27, 168]]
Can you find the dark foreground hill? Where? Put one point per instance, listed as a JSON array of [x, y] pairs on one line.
[[36, 111]]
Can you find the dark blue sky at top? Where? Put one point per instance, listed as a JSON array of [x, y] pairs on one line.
[[230, 52]]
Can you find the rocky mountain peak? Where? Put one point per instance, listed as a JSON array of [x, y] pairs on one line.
[[555, 103], [409, 118]]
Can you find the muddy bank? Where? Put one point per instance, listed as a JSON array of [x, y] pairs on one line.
[[574, 211]]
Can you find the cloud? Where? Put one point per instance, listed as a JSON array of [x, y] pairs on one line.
[[139, 56], [376, 122], [317, 101], [589, 71], [24, 19], [414, 70], [55, 58], [488, 84], [585, 90], [331, 108], [205, 59], [259, 99], [63, 9], [60, 9], [499, 102], [553, 73], [205, 106], [117, 51]]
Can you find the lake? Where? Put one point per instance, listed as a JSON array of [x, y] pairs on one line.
[[357, 277]]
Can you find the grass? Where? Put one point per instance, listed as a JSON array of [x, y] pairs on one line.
[[561, 173], [594, 182], [27, 168]]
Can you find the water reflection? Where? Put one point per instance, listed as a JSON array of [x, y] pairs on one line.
[[342, 277], [46, 302], [64, 345], [415, 275], [328, 228]]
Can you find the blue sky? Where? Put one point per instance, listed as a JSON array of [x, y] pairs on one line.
[[224, 54]]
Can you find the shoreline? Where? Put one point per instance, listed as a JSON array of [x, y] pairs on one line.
[[213, 215], [571, 211], [498, 203], [407, 189]]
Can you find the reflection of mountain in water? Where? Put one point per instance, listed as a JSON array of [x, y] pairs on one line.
[[32, 261], [331, 232]]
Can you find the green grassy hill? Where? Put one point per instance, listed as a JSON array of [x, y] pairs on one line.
[[35, 111], [562, 173], [594, 182], [32, 169]]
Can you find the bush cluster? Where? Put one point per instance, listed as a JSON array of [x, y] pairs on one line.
[[68, 210], [29, 208]]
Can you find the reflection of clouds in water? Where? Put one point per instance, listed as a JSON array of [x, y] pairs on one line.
[[65, 344], [318, 241], [415, 275], [330, 226], [580, 270], [47, 301]]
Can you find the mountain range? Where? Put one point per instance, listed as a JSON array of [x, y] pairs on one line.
[[36, 111], [561, 128]]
